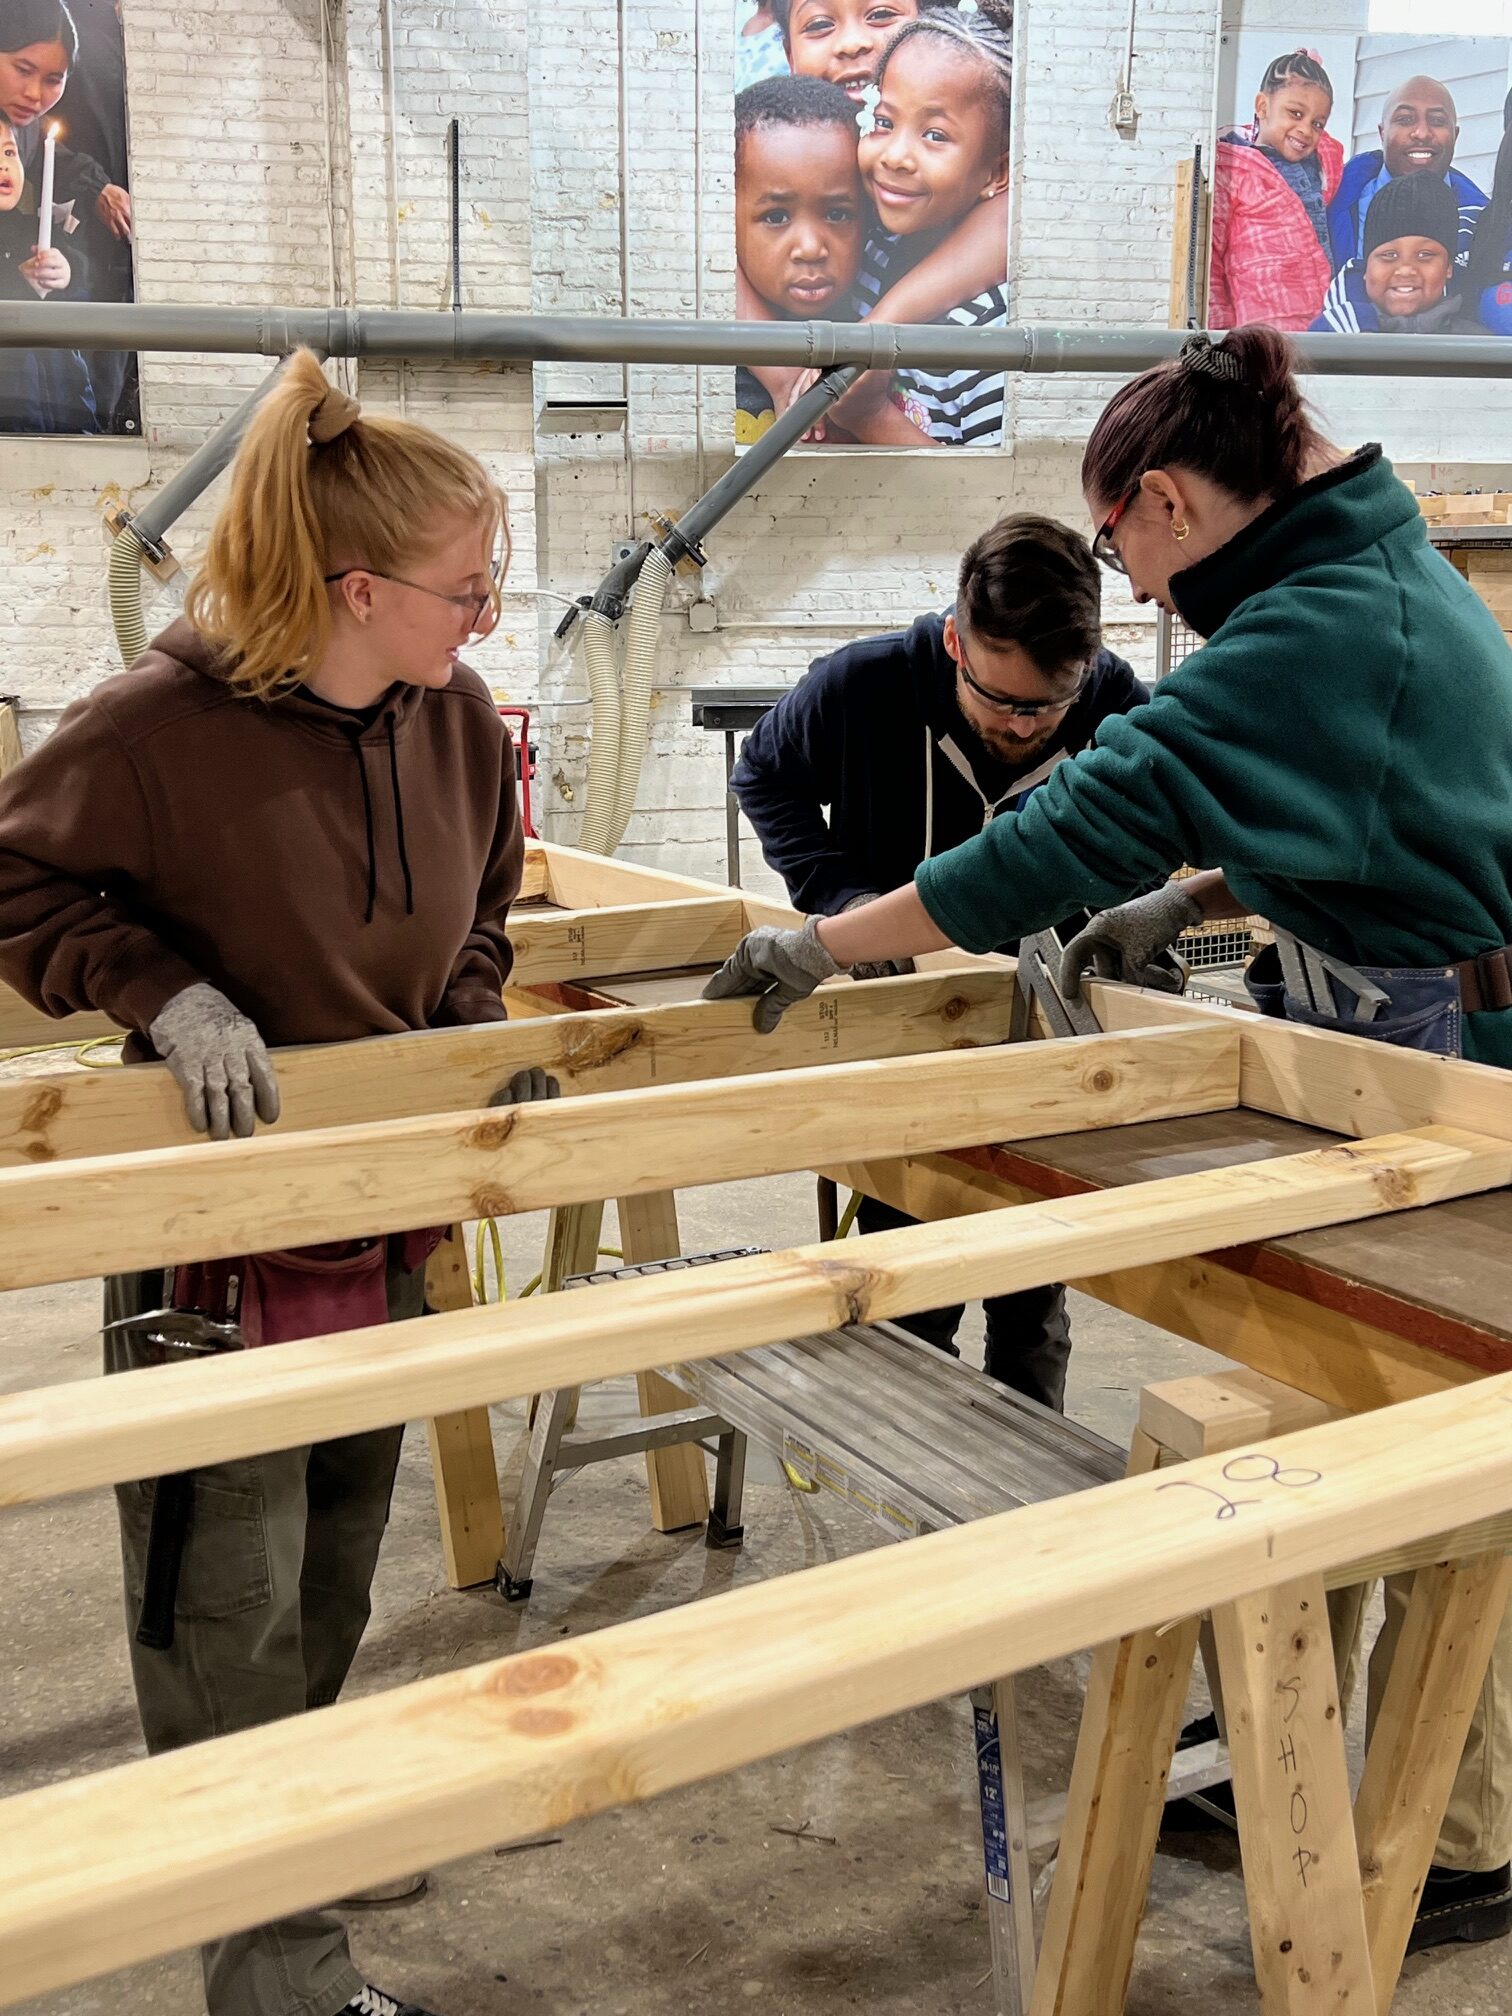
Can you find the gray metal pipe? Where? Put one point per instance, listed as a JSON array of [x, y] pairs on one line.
[[149, 526], [785, 431], [592, 339]]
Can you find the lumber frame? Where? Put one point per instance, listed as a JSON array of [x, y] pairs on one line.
[[71, 1113], [1337, 1357], [223, 1199], [173, 1851], [74, 1437], [565, 945], [461, 1445]]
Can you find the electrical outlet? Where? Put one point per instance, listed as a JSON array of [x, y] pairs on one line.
[[1124, 113]]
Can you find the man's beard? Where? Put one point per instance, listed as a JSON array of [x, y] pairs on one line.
[[1017, 752]]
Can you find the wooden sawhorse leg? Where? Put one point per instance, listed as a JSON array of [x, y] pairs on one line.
[[461, 1446], [1323, 1939], [677, 1475], [676, 1472], [1453, 1617], [1123, 1758], [1292, 1802]]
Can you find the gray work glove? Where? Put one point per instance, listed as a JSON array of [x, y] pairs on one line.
[[526, 1087], [879, 969], [1124, 943], [780, 966], [221, 1063]]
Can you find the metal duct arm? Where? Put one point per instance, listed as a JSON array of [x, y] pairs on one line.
[[590, 339]]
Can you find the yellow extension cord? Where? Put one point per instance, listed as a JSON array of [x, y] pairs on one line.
[[81, 1052]]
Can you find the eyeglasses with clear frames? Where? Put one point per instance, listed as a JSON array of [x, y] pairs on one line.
[[478, 609]]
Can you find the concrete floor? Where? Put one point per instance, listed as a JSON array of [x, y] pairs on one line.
[[696, 1900]]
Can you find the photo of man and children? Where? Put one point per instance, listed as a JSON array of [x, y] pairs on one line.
[[65, 208], [871, 183], [1365, 187]]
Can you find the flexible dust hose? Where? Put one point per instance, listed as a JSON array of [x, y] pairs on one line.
[[604, 735], [642, 635], [126, 596]]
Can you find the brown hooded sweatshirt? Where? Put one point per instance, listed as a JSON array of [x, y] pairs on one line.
[[333, 880]]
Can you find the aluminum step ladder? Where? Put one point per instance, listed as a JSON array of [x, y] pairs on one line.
[[910, 1437]]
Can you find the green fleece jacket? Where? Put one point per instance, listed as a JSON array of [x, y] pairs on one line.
[[1341, 748]]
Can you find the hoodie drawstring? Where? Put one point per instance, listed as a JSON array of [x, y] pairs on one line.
[[409, 885], [354, 733], [928, 794]]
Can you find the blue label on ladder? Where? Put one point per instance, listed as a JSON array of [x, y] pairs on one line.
[[994, 1818]]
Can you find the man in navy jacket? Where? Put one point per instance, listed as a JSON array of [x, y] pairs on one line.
[[901, 746]]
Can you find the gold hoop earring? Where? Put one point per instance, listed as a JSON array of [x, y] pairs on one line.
[[1180, 530]]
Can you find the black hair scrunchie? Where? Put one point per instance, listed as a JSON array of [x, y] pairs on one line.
[[1207, 359]]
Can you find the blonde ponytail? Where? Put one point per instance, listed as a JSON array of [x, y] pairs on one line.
[[318, 485]]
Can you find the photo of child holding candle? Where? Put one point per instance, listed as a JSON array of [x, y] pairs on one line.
[[41, 391], [62, 80]]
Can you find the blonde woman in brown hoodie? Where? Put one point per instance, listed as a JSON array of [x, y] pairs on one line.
[[292, 821]]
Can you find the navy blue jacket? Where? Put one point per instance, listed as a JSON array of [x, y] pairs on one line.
[[869, 735]]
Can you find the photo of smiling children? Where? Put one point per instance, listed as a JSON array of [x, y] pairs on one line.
[[1348, 197], [925, 142], [63, 101], [1271, 190], [1401, 282]]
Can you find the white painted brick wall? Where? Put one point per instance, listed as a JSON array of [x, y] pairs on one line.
[[286, 151]]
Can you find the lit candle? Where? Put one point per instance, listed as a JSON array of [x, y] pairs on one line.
[[45, 200]]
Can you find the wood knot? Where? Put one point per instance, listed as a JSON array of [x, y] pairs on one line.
[[854, 1283], [591, 1050], [540, 1674], [954, 1008], [40, 1108], [1102, 1080], [1395, 1188], [487, 1203], [491, 1133], [541, 1721]]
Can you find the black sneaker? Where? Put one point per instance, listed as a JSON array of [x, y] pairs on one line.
[[371, 2001], [1207, 1811], [1462, 1908]]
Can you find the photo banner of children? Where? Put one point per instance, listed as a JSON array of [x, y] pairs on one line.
[[1363, 184], [871, 182], [65, 208]]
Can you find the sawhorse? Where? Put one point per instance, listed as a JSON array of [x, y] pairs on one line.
[[477, 1547], [1331, 1887]]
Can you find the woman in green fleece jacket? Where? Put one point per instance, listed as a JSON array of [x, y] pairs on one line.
[[1339, 752], [1338, 756]]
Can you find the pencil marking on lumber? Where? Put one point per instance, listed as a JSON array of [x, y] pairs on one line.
[[542, 1675], [541, 1721]]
